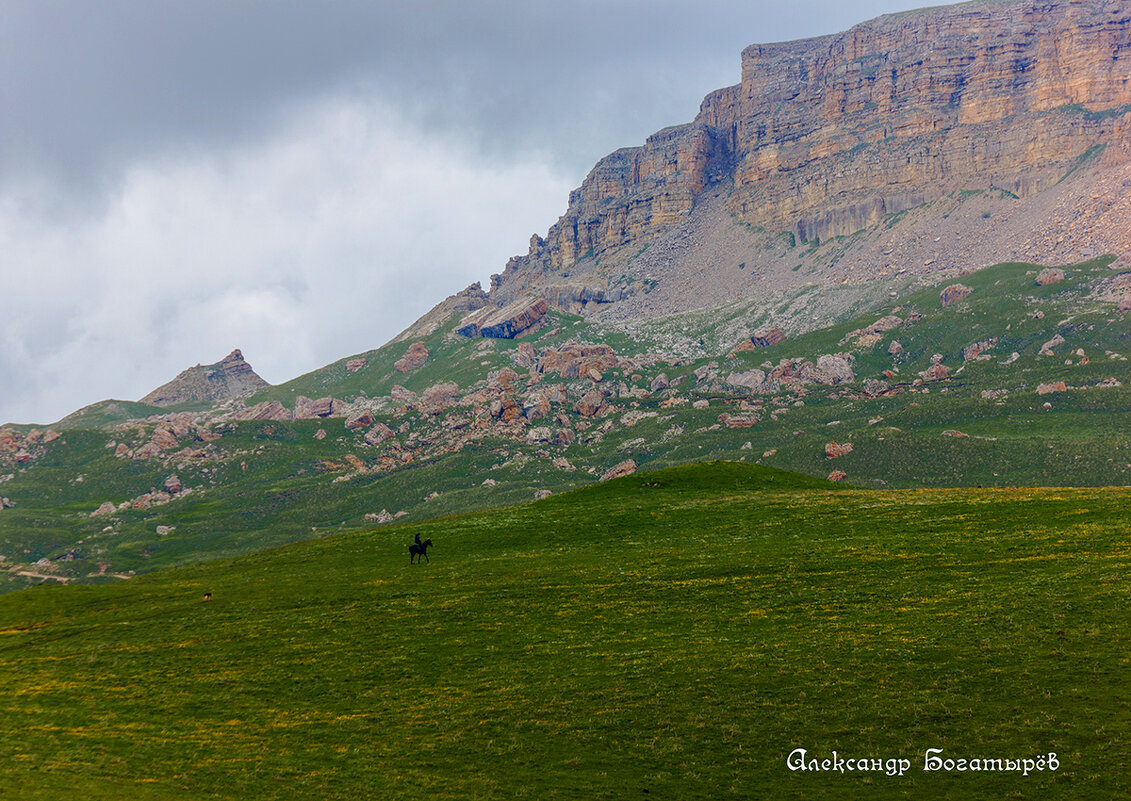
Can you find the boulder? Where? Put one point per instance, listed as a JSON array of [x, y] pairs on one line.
[[525, 355], [739, 420], [707, 372], [973, 351], [267, 410], [625, 468], [629, 419], [895, 348], [1050, 275], [835, 449], [564, 437], [402, 395], [536, 406], [164, 438], [306, 409], [1047, 389], [538, 435], [1046, 349], [359, 421], [837, 475], [750, 379], [173, 485], [954, 293], [874, 387], [768, 337], [353, 365], [378, 434], [836, 367], [935, 372], [502, 379], [415, 357], [555, 393], [505, 408], [9, 439], [147, 451], [439, 397], [869, 334], [105, 509], [590, 405]]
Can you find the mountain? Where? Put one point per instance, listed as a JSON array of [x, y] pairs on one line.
[[893, 257], [228, 378], [915, 143]]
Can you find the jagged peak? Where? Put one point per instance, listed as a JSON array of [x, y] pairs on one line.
[[228, 378]]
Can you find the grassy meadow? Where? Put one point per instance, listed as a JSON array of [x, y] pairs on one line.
[[670, 635]]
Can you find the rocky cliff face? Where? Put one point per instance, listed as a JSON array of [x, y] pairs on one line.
[[826, 137], [228, 378], [830, 134]]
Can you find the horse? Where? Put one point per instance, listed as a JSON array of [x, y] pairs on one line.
[[415, 550]]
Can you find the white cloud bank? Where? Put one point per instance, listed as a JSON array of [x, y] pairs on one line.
[[326, 239]]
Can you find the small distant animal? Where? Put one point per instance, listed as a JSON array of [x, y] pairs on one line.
[[207, 596], [415, 550]]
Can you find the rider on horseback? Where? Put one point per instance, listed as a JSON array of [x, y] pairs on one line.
[[420, 549]]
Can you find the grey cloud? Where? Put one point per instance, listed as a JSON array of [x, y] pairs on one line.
[[325, 238], [88, 86]]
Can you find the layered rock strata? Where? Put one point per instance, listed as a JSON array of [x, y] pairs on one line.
[[505, 323], [824, 137]]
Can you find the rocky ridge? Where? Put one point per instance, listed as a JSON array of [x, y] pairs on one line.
[[228, 378], [527, 418]]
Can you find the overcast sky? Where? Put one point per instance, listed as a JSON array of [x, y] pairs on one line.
[[304, 179]]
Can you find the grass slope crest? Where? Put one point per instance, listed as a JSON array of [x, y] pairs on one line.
[[675, 634]]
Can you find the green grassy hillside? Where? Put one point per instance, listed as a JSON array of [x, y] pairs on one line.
[[673, 634], [258, 483], [105, 413]]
